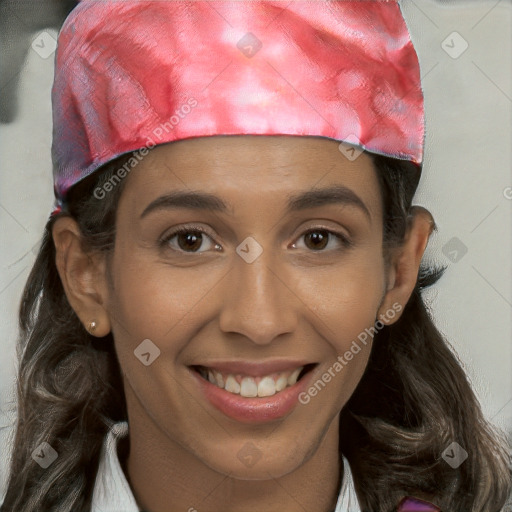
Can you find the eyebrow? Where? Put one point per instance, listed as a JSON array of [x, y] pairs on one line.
[[314, 198]]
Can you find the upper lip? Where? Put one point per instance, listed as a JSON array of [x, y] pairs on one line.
[[255, 368]]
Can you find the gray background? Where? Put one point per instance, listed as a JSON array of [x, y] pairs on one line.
[[466, 184]]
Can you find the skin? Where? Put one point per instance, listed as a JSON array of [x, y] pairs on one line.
[[305, 301]]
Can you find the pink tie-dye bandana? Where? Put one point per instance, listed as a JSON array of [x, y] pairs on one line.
[[132, 74]]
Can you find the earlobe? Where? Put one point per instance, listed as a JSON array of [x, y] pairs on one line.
[[406, 263], [83, 276]]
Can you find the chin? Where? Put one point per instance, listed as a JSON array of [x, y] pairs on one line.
[[251, 460]]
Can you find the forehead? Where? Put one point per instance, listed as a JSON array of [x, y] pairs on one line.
[[251, 169]]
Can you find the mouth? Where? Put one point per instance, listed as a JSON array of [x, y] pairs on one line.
[[253, 386]]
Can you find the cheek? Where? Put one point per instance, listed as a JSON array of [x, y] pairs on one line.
[[155, 301], [345, 296], [152, 300], [344, 303]]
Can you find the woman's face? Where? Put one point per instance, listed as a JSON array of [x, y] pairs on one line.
[[288, 273]]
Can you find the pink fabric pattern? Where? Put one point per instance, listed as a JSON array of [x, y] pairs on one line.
[[410, 504], [136, 73]]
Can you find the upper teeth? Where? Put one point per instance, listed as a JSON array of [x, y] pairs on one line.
[[267, 385]]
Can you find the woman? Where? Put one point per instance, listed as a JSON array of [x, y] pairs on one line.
[[288, 365]]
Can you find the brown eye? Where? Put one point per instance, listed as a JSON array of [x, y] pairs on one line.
[[318, 240], [187, 240]]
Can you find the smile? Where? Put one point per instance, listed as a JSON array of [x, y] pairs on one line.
[[253, 386], [249, 391]]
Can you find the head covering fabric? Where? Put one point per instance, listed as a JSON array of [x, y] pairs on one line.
[[133, 74]]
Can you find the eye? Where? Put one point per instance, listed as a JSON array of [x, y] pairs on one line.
[[188, 239], [317, 239]]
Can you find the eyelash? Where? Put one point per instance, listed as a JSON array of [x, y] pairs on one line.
[[344, 240]]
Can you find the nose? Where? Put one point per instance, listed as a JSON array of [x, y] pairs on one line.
[[260, 302]]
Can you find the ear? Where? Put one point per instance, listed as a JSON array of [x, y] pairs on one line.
[[405, 265], [83, 276]]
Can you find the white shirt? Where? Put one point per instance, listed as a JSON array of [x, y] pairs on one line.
[[113, 494]]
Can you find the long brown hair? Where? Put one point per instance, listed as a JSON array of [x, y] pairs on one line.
[[414, 398]]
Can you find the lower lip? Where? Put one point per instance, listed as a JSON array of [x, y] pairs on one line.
[[253, 410]]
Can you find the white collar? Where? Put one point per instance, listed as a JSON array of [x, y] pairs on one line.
[[112, 492]]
